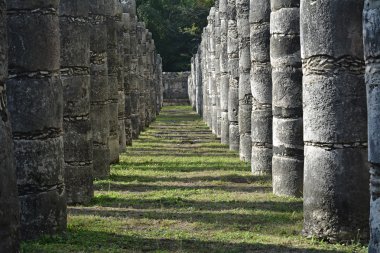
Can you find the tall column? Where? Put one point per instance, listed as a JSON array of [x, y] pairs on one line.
[[140, 73], [36, 105], [217, 42], [75, 74], [336, 196], [371, 25], [245, 95], [211, 71], [287, 162], [199, 81], [126, 19], [121, 77], [224, 76], [99, 110], [206, 92], [261, 87], [134, 82], [233, 68], [160, 81], [113, 60], [9, 202]]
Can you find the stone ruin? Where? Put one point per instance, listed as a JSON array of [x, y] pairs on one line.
[[275, 79], [176, 89], [79, 80], [284, 82]]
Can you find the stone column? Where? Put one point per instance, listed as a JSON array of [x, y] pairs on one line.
[[191, 83], [160, 82], [9, 220], [120, 77], [134, 85], [217, 42], [150, 98], [224, 76], [287, 162], [99, 111], [206, 92], [371, 25], [75, 74], [35, 101], [140, 73], [113, 61], [126, 19], [261, 87], [233, 68], [245, 95], [199, 82], [336, 196], [212, 119]]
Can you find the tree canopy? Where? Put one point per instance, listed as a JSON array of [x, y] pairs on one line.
[[176, 26]]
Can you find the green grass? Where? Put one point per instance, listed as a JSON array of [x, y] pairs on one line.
[[178, 190]]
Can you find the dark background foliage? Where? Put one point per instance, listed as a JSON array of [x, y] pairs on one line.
[[176, 26]]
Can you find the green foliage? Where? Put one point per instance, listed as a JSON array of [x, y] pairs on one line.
[[176, 26]]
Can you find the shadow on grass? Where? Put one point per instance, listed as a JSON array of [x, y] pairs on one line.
[[178, 202], [90, 241], [222, 178], [140, 187], [218, 220]]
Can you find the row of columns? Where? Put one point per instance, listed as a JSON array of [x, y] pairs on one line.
[[290, 76], [79, 80]]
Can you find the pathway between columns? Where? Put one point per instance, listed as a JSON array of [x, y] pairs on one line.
[[179, 190]]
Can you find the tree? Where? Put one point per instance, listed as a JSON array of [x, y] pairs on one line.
[[176, 26]]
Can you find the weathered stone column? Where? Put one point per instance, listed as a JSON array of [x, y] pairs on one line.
[[140, 73], [199, 82], [75, 74], [224, 76], [245, 95], [121, 77], [127, 76], [217, 42], [113, 61], [100, 90], [371, 25], [9, 220], [191, 83], [151, 112], [233, 68], [134, 84], [287, 162], [261, 87], [160, 82], [211, 71], [34, 92], [206, 92], [336, 196]]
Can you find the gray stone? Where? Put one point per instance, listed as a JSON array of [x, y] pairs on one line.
[[100, 90], [75, 74], [9, 201], [245, 95], [287, 166], [233, 69], [261, 87], [35, 101], [113, 61], [371, 25], [336, 197]]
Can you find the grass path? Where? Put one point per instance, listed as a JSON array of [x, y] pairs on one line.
[[178, 190]]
